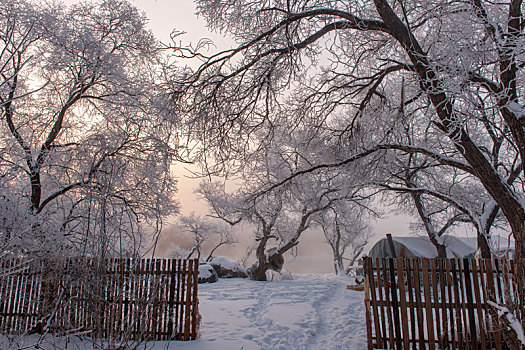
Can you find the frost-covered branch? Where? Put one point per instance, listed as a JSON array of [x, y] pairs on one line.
[[511, 319]]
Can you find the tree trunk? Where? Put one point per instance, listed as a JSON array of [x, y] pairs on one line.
[[258, 271], [519, 256], [441, 249], [338, 257], [36, 190], [429, 227], [483, 246], [338, 265]]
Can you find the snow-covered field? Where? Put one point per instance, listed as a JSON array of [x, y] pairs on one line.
[[308, 312]]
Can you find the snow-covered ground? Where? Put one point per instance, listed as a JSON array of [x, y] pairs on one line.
[[308, 312]]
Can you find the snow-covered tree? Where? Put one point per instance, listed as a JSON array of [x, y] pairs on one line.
[[461, 63], [280, 215], [86, 142], [441, 198], [207, 234], [346, 230], [235, 207], [342, 60]]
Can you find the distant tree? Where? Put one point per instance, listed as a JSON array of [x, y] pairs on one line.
[[86, 138], [281, 215], [205, 232], [346, 231], [236, 207]]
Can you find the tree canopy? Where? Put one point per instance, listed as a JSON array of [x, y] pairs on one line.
[[333, 71], [87, 140]]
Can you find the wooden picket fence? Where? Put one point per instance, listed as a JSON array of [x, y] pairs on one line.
[[122, 299], [439, 303]]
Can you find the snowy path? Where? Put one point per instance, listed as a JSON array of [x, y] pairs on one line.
[[309, 312]]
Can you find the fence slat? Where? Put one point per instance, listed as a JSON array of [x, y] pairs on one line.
[[486, 309], [161, 330], [402, 301], [382, 317], [179, 303], [428, 301], [410, 290], [367, 270], [492, 297], [458, 305], [187, 315], [195, 298], [373, 302], [479, 309], [172, 307], [419, 305], [386, 284], [435, 299], [444, 336], [182, 303], [395, 304], [470, 303]]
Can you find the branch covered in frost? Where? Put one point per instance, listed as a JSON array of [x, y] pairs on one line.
[[514, 323]]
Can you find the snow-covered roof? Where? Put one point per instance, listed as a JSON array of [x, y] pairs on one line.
[[498, 244], [420, 246]]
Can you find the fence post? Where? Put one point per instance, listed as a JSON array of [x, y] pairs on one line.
[[187, 310], [368, 274], [172, 306], [395, 304], [195, 301]]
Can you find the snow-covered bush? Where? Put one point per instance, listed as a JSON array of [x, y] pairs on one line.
[[207, 274], [227, 268], [282, 275]]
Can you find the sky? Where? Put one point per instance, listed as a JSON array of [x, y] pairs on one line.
[[166, 15], [313, 253]]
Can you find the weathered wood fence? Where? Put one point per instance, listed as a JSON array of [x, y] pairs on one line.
[[439, 303], [139, 299]]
